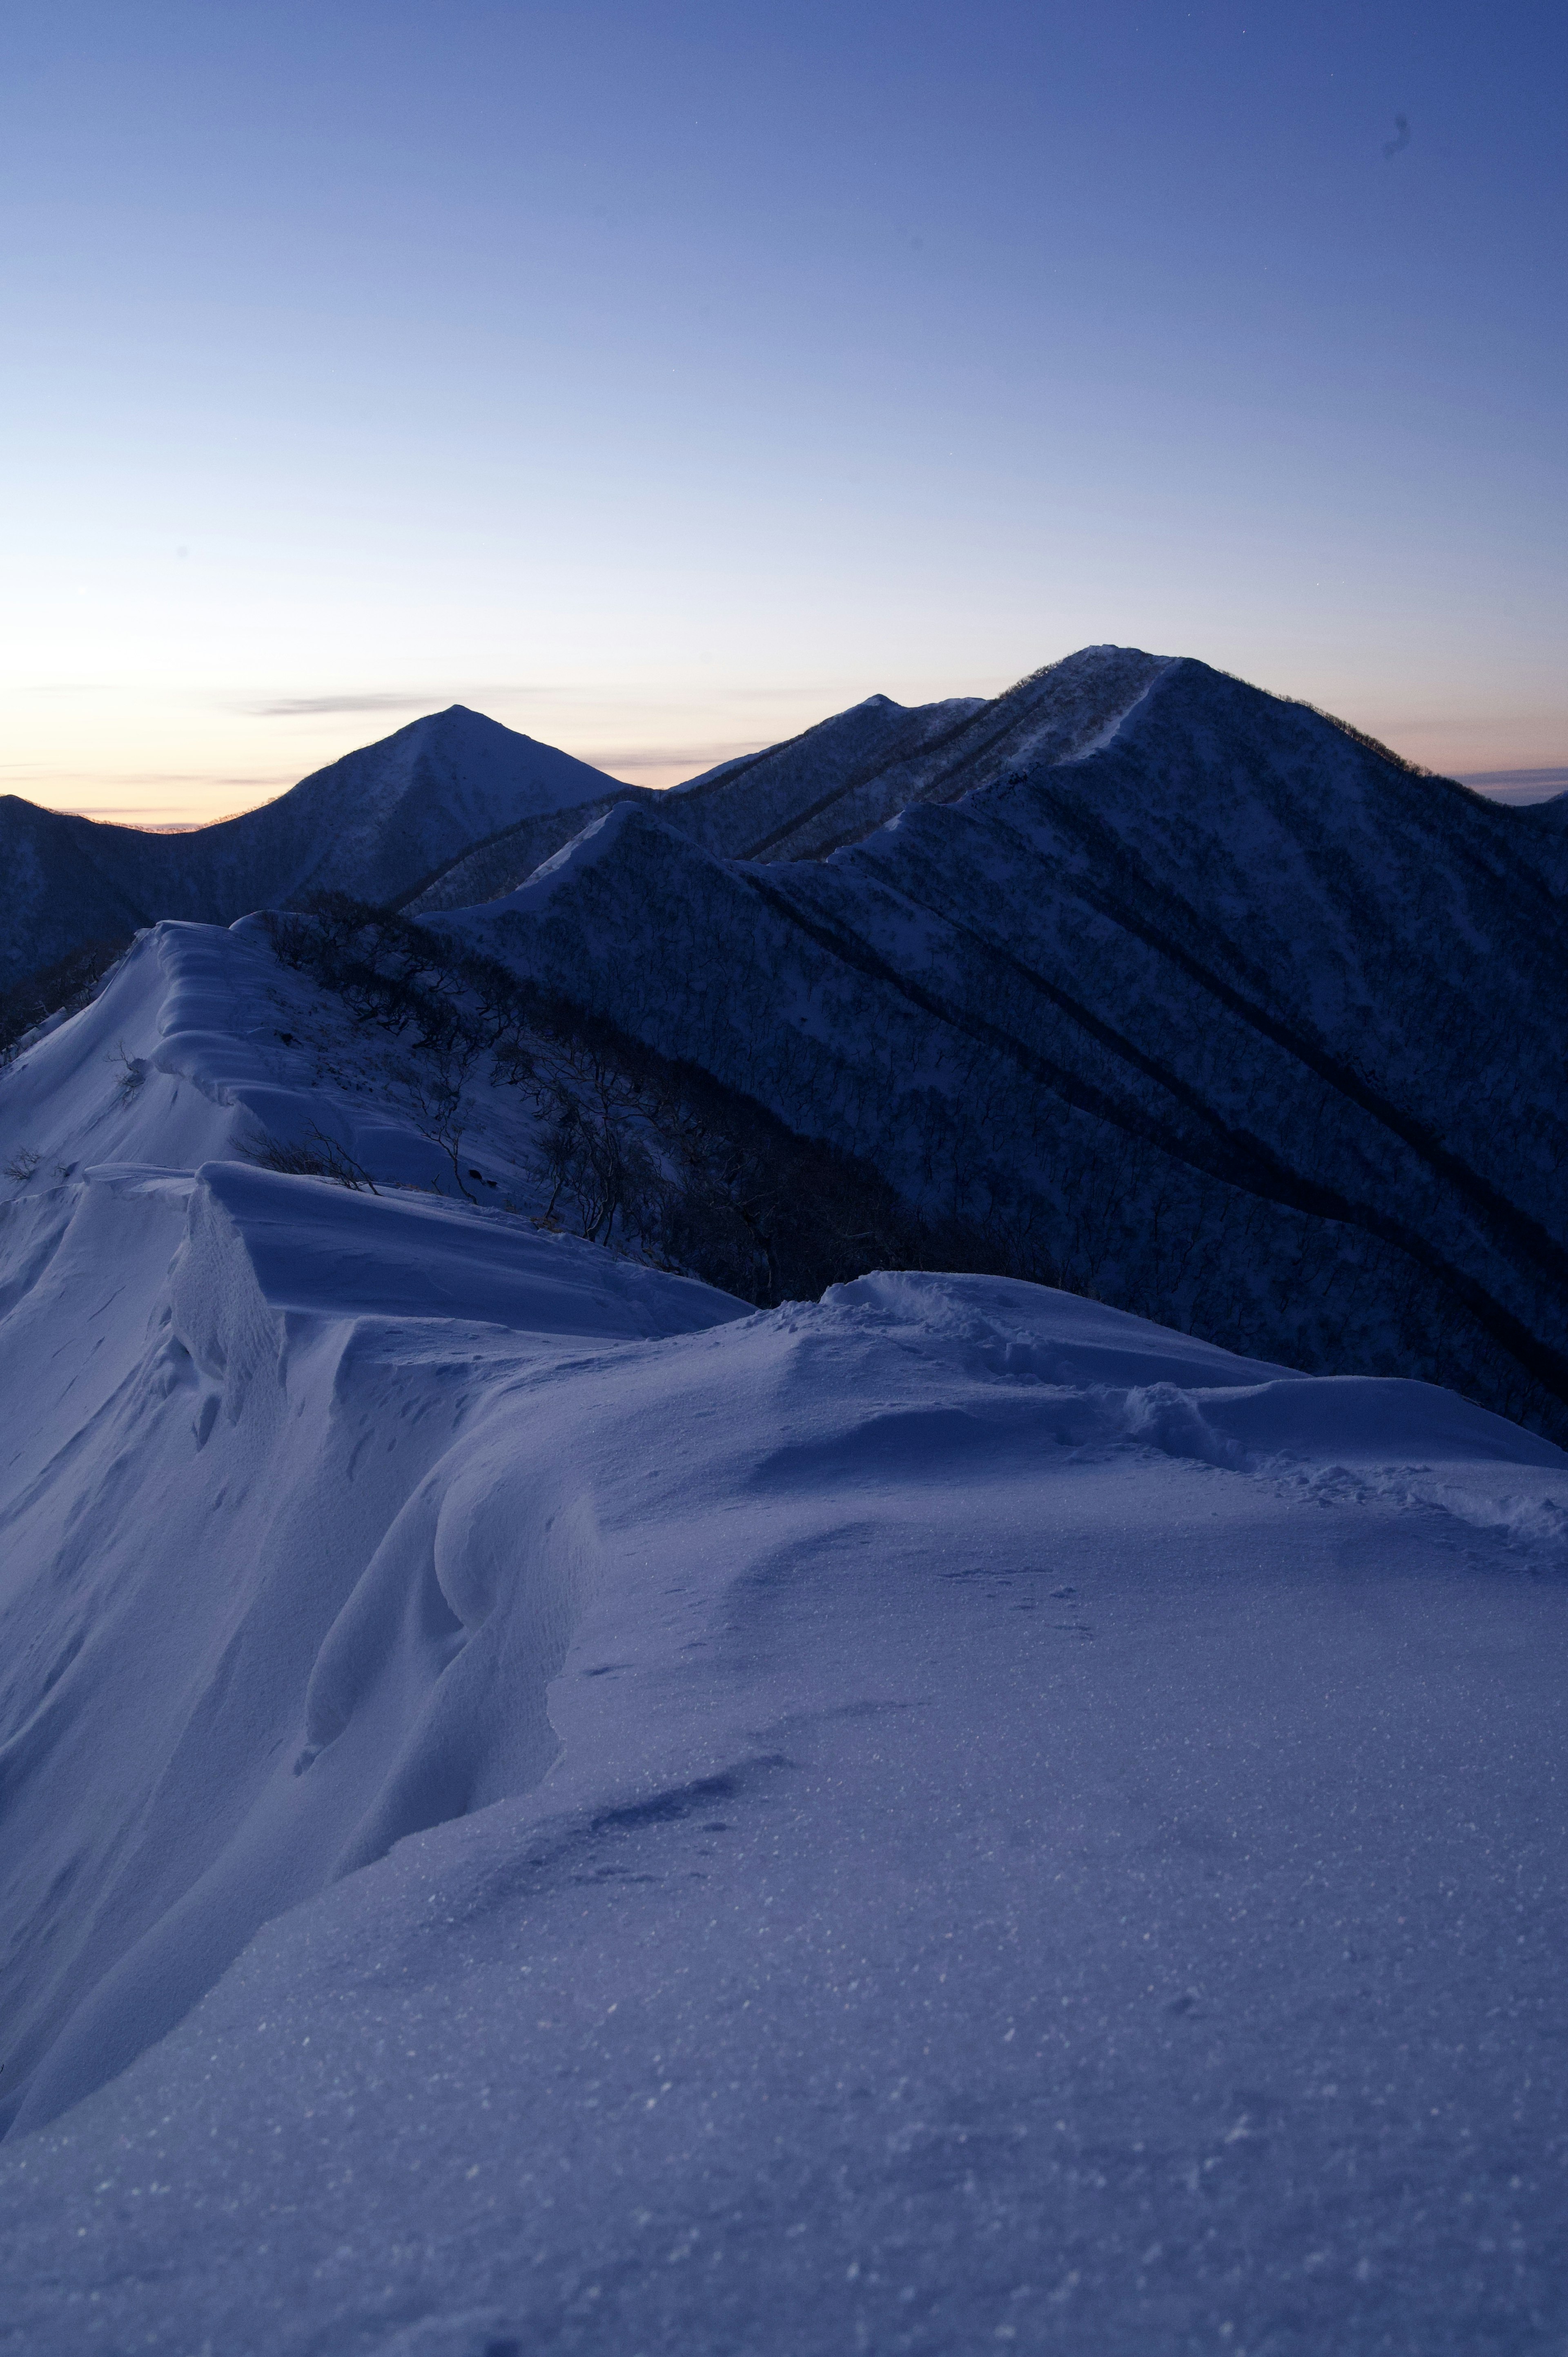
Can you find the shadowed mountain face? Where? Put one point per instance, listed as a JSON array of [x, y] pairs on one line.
[[832, 785], [734, 810], [790, 801], [1161, 988], [382, 824]]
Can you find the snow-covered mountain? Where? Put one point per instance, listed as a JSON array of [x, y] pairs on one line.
[[384, 823], [542, 1808], [835, 784], [853, 769], [1159, 987]]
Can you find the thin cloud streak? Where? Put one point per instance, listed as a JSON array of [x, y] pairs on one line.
[[313, 707], [695, 757]]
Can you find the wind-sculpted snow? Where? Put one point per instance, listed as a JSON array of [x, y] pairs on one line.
[[242, 1440], [225, 1388], [384, 822], [539, 1808], [1229, 1018]]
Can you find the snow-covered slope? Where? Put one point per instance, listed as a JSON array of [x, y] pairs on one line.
[[744, 807], [503, 861], [384, 823], [836, 782], [859, 758], [586, 1818], [1218, 1013], [248, 1376]]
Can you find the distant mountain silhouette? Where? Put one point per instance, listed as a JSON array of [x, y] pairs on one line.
[[382, 822]]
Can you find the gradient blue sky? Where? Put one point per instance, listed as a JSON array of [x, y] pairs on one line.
[[661, 377]]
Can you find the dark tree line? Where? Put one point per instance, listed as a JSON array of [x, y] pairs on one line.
[[635, 1148], [63, 988]]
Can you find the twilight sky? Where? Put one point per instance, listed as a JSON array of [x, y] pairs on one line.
[[661, 377]]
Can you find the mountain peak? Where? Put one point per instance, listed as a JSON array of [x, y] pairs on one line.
[[383, 822], [454, 718]]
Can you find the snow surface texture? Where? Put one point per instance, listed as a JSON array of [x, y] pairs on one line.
[[586, 1818], [384, 823], [1159, 986]]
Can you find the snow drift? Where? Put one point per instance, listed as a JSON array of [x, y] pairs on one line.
[[541, 1807]]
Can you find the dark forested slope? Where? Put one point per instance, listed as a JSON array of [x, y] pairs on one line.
[[1221, 1013]]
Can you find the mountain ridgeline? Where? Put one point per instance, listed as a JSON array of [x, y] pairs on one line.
[[1160, 988], [384, 823], [1134, 979]]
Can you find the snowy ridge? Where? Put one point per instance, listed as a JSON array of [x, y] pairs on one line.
[[563, 867], [264, 1330], [542, 1808], [838, 781], [426, 1636]]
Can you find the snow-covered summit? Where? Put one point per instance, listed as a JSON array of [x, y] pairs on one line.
[[384, 823]]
